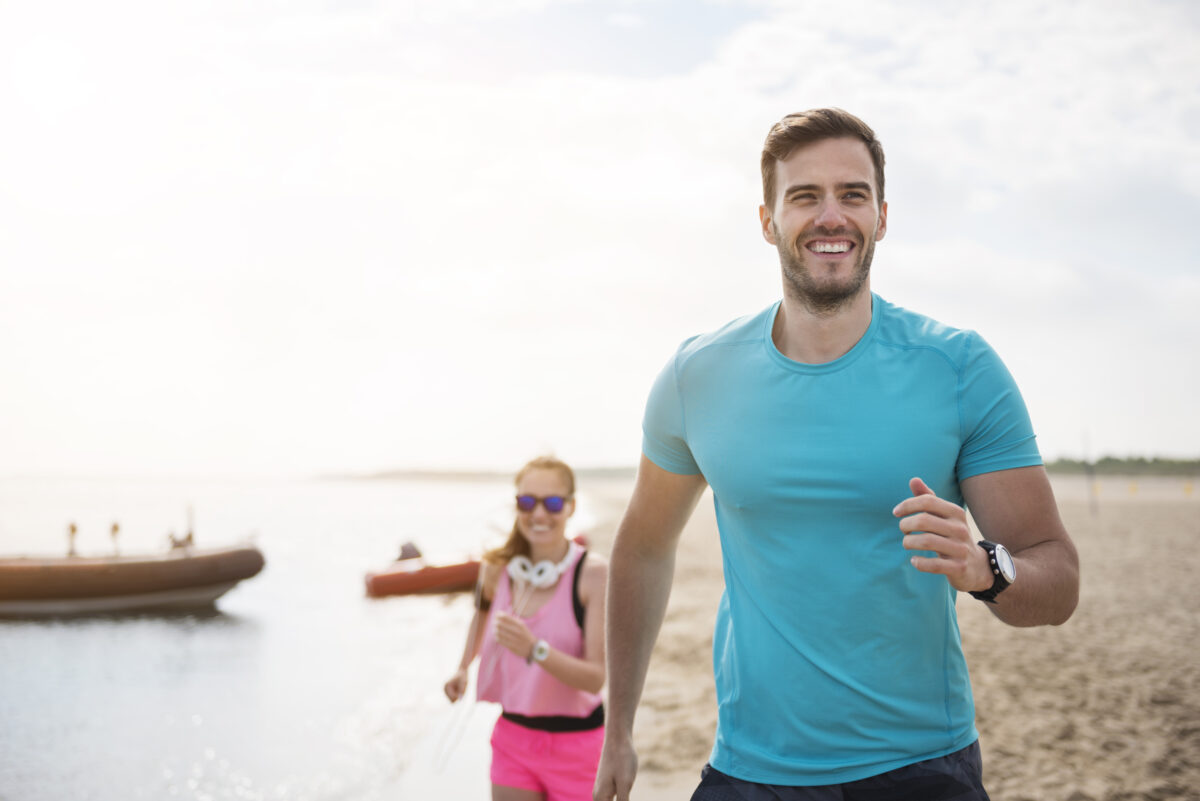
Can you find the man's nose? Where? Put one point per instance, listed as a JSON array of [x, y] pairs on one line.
[[829, 214]]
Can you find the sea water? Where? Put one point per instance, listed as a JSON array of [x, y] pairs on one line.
[[297, 687]]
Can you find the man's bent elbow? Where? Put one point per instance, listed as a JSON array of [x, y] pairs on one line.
[[1070, 590], [1060, 609], [1070, 602], [1064, 598]]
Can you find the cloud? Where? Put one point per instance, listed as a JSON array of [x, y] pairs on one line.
[[626, 19]]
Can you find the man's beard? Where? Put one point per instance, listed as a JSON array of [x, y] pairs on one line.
[[822, 297]]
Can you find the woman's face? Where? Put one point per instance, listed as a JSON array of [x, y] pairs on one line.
[[540, 527]]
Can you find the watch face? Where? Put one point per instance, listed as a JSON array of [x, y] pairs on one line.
[[1005, 563]]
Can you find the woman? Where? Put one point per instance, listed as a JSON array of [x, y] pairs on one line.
[[539, 632]]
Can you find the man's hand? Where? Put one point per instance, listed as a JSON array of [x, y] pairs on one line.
[[618, 766], [513, 634], [930, 523]]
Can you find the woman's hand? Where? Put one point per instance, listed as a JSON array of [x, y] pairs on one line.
[[457, 686], [514, 635]]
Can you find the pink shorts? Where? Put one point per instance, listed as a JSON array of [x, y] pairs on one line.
[[562, 765]]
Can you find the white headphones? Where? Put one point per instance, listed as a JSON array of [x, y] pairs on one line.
[[545, 573]]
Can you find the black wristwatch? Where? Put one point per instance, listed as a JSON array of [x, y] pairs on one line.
[[1001, 563]]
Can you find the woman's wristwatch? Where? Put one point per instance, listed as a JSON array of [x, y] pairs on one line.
[[541, 650]]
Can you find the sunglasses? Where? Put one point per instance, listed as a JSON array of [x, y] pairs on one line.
[[553, 503]]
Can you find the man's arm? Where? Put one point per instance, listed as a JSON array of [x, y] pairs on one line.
[[1015, 508], [640, 572]]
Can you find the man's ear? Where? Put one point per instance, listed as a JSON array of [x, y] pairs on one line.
[[881, 229], [768, 230]]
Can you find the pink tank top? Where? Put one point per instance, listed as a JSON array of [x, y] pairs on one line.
[[528, 689]]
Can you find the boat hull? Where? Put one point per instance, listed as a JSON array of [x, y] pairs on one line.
[[179, 579], [410, 577]]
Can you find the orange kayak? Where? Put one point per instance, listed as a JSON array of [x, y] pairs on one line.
[[415, 576]]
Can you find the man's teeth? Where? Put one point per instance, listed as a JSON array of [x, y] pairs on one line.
[[829, 247]]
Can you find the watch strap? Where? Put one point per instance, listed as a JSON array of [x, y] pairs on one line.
[[999, 582]]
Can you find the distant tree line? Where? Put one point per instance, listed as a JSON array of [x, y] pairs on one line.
[[1132, 466]]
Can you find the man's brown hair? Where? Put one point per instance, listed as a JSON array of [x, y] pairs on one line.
[[806, 127]]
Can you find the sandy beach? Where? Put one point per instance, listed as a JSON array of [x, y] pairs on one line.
[[1103, 708]]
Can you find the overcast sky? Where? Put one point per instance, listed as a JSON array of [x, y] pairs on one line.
[[286, 238]]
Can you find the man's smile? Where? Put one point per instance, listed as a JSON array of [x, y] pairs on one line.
[[836, 246]]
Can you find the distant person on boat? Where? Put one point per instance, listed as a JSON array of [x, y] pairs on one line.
[[539, 632], [177, 543]]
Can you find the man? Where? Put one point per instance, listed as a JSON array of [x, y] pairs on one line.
[[843, 438]]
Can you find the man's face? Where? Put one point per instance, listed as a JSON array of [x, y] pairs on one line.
[[825, 222]]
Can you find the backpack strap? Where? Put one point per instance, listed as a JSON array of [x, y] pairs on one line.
[[579, 610]]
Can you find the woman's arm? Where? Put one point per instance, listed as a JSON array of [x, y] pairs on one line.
[[489, 574], [586, 673]]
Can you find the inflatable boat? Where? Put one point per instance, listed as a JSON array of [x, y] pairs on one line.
[[182, 578]]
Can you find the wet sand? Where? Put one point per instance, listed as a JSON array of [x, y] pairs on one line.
[[1103, 708]]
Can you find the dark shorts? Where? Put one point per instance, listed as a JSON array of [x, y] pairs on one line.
[[954, 777]]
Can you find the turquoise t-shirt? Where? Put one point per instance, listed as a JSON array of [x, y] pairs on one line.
[[834, 658]]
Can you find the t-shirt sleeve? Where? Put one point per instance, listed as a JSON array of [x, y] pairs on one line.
[[664, 439], [997, 432]]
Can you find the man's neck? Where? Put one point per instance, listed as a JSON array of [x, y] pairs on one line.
[[811, 337]]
